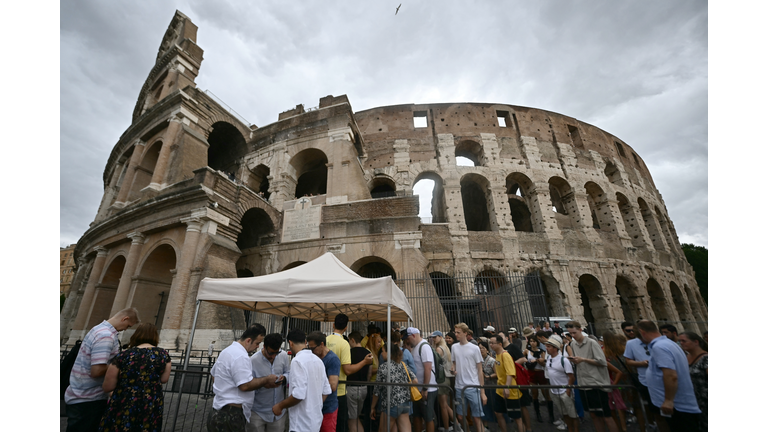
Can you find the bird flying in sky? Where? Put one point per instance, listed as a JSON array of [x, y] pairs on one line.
[[398, 8]]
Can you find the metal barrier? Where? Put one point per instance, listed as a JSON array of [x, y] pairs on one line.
[[585, 422]]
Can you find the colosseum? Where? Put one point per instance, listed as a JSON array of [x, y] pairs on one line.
[[192, 191]]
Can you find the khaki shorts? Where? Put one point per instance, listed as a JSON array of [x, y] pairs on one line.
[[564, 404], [355, 398]]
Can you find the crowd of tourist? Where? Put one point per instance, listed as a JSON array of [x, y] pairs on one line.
[[348, 384]]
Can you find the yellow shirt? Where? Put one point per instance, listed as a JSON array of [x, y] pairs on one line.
[[505, 367], [340, 347]]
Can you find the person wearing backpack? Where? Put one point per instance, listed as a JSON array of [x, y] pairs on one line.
[[423, 410], [468, 368], [443, 354]]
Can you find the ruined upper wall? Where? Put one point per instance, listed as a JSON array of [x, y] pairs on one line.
[[381, 126]]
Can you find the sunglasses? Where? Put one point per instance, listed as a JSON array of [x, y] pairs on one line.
[[273, 353]]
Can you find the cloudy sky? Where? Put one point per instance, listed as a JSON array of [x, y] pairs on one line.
[[638, 70]]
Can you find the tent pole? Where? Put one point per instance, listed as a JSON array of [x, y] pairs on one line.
[[186, 364], [389, 355]]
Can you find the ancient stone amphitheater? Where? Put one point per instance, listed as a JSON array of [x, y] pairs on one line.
[[192, 191]]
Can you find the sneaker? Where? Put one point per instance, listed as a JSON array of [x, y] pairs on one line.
[[558, 422], [562, 427]]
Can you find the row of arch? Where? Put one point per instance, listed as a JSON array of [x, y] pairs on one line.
[[525, 207]]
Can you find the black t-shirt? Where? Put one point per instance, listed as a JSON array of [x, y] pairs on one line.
[[357, 354], [514, 351], [558, 330]]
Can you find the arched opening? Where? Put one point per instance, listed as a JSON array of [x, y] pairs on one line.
[[293, 265], [445, 286], [373, 267], [612, 173], [258, 229], [599, 207], [650, 225], [152, 286], [519, 189], [696, 307], [563, 203], [471, 151], [311, 166], [554, 298], [658, 301], [383, 187], [631, 225], [145, 169], [475, 197], [429, 187], [665, 229], [226, 146], [631, 300], [686, 319], [104, 296], [258, 181], [595, 305]]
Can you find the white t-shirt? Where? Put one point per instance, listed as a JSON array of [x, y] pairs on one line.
[[466, 357], [308, 383], [423, 348], [558, 367], [232, 368]]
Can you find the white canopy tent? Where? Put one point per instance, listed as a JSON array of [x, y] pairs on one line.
[[317, 290]]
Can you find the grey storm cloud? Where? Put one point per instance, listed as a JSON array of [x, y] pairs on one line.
[[635, 69]]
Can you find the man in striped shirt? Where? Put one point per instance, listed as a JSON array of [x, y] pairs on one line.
[[85, 399]]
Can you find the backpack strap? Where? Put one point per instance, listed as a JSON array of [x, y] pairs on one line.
[[434, 360]]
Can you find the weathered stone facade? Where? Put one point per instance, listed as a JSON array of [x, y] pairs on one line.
[[190, 191]]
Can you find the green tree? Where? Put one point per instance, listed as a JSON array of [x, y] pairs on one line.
[[697, 258]]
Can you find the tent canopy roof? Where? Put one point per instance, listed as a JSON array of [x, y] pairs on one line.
[[317, 290]]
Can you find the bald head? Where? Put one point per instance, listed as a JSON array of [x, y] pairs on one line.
[[125, 319]]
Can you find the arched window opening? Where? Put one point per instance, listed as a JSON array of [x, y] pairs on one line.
[[518, 186], [258, 181], [429, 187], [650, 225], [258, 229], [311, 172], [293, 265], [226, 146], [489, 281], [599, 207], [560, 193], [595, 305], [145, 169], [104, 295], [471, 151], [696, 307], [687, 320], [658, 301], [631, 300], [665, 229], [382, 187], [154, 284], [445, 286], [475, 192], [612, 173], [373, 267]]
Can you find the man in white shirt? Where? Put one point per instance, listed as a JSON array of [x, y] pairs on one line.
[[423, 410], [270, 360], [308, 387], [233, 383], [468, 368], [560, 372]]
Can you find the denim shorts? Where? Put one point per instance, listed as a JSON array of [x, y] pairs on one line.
[[472, 396], [396, 410]]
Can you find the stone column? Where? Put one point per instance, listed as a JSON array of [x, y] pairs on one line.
[[138, 149], [124, 287], [87, 303], [161, 167], [72, 301], [180, 284]]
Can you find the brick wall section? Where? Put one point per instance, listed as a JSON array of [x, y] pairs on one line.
[[436, 238], [484, 241], [372, 209]]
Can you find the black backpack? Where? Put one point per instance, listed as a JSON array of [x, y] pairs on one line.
[[66, 367], [437, 366]]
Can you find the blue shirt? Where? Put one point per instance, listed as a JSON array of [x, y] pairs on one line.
[[636, 350], [408, 360], [668, 355], [332, 367]]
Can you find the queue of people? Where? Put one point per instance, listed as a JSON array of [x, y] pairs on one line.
[[257, 386]]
